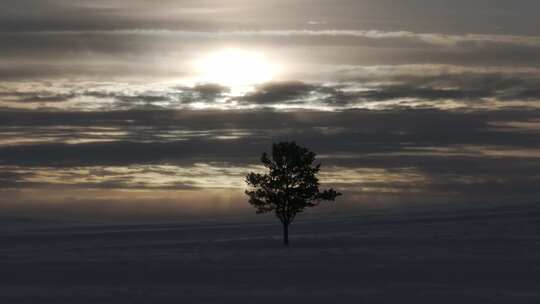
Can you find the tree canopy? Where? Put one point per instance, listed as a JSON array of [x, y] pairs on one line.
[[290, 186]]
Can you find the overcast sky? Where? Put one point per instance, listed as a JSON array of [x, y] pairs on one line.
[[119, 109]]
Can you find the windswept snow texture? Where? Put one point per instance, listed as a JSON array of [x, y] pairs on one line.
[[482, 256]]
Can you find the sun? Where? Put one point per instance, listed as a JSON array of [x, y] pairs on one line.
[[235, 68]]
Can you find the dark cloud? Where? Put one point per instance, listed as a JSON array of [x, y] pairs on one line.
[[397, 92], [459, 16], [13, 178], [431, 87], [467, 87], [202, 93], [156, 136], [450, 85], [39, 96], [279, 92], [425, 152]]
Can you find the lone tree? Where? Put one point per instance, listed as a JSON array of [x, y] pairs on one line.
[[290, 186]]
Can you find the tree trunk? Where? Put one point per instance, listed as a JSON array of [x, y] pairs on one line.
[[286, 234]]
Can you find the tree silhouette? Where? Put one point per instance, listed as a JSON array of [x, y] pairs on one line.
[[290, 186]]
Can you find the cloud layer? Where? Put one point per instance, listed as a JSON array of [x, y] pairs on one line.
[[102, 105]]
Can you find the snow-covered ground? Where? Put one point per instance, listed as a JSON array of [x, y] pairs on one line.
[[482, 256]]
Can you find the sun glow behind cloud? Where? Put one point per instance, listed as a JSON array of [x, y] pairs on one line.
[[235, 68]]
